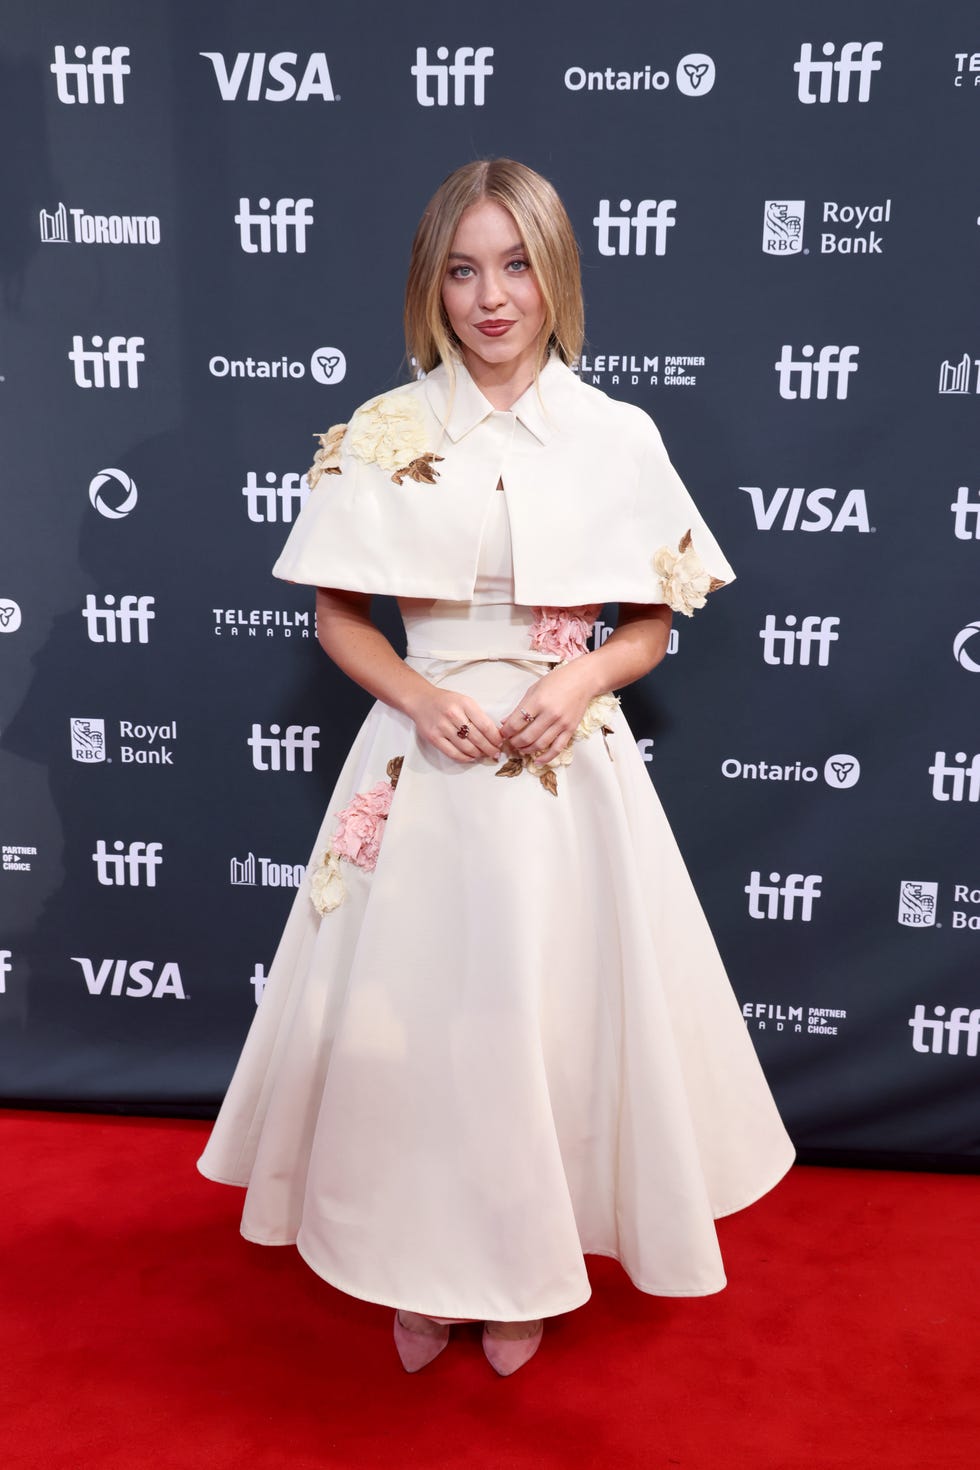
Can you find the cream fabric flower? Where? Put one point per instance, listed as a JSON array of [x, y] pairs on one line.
[[327, 887], [598, 712], [563, 758], [389, 431], [326, 461], [686, 580]]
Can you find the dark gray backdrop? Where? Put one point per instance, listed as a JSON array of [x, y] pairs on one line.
[[854, 946]]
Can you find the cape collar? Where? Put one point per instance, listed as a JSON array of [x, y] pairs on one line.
[[460, 406]]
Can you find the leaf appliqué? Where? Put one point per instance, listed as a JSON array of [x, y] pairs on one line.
[[422, 470]]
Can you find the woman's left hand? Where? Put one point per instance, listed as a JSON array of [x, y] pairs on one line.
[[556, 704]]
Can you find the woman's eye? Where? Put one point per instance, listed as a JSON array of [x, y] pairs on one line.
[[519, 265], [459, 272]]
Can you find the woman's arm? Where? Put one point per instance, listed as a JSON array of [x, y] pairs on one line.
[[558, 701], [349, 637]]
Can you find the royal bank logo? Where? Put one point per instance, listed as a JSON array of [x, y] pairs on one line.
[[627, 233], [966, 515], [121, 497], [794, 508], [941, 1033], [284, 750], [252, 872], [127, 623], [834, 74], [140, 978], [669, 370], [281, 498], [327, 365], [792, 644], [97, 229], [782, 226], [98, 79], [279, 77], [960, 377], [917, 904], [10, 615], [797, 375], [468, 72], [87, 740], [786, 898], [281, 226], [128, 865], [693, 76], [102, 366], [957, 780], [967, 70], [261, 622], [966, 644]]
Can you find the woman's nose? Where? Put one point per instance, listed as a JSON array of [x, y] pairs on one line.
[[493, 293]]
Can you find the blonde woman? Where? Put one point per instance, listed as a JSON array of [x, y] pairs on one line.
[[497, 1035]]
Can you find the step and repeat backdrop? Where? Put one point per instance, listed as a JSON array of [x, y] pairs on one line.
[[205, 228]]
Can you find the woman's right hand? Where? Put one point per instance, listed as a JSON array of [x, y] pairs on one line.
[[440, 714]]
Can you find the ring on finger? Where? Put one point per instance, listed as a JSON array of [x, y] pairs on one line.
[[527, 718], [463, 731]]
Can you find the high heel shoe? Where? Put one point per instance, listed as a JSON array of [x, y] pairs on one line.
[[506, 1354], [416, 1349]]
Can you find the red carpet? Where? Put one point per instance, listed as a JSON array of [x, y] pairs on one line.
[[140, 1330]]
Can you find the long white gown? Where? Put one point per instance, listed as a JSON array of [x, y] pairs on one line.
[[514, 1043]]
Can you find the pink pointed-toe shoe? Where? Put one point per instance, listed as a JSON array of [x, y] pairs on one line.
[[416, 1349], [506, 1354]]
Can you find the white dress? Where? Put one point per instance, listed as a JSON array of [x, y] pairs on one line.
[[514, 1043]]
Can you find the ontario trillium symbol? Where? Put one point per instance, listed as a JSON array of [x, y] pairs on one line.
[[842, 769]]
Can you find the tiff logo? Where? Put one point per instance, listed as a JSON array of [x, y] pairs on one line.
[[837, 362], [855, 60], [119, 351], [956, 377], [938, 1035], [964, 509], [108, 63], [813, 632], [956, 782], [282, 750], [467, 63], [111, 624], [651, 214], [278, 499], [6, 955], [258, 981], [288, 215], [127, 866], [781, 897]]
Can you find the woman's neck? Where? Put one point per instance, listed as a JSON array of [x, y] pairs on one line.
[[501, 384]]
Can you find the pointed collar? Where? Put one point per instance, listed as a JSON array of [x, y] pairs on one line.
[[460, 406]]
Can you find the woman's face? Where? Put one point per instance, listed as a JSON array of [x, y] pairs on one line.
[[490, 295]]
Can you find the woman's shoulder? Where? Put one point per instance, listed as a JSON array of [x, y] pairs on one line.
[[594, 409]]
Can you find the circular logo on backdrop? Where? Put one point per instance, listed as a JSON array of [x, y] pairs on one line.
[[9, 615], [328, 365], [122, 495], [963, 637], [695, 74], [842, 771]]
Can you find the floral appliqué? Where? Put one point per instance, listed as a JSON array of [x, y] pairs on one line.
[[686, 580], [390, 432], [357, 840], [599, 710], [326, 461], [563, 631]]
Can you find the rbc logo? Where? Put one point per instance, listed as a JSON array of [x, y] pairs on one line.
[[782, 226], [813, 632], [277, 499], [651, 214], [117, 623], [956, 782], [781, 897], [467, 62], [836, 362], [121, 350], [108, 63], [130, 866], [288, 215], [855, 60], [281, 750]]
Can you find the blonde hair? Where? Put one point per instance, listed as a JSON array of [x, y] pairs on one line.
[[548, 238]]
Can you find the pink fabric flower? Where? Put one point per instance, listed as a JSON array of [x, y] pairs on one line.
[[361, 826], [563, 631]]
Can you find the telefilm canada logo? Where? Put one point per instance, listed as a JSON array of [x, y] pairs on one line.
[[253, 872], [281, 498], [799, 375], [262, 622], [113, 494], [468, 71], [775, 1016], [670, 370], [10, 615], [282, 76], [98, 78], [794, 508], [97, 229], [327, 365], [966, 69], [856, 62], [139, 744], [144, 979], [782, 227], [693, 76], [959, 377]]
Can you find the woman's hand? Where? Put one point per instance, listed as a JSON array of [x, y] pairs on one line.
[[440, 714], [556, 704]]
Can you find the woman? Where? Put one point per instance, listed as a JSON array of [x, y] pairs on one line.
[[497, 1034]]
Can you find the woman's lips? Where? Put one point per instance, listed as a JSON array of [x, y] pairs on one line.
[[493, 329]]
